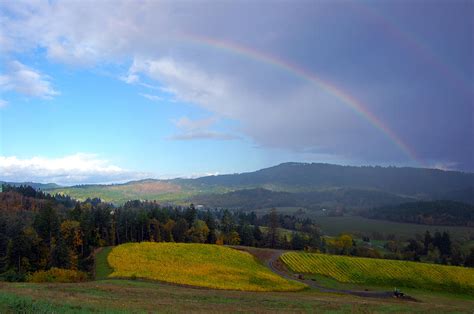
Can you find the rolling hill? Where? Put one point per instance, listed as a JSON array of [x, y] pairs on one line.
[[293, 184]]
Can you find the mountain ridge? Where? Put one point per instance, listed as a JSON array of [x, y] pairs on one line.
[[293, 177]]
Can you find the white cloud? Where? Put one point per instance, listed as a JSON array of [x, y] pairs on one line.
[[26, 81], [152, 97], [3, 103], [444, 165], [72, 169]]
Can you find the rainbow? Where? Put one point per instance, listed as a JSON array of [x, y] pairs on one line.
[[298, 71]]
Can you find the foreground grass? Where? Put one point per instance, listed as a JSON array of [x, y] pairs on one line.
[[119, 296], [12, 303], [202, 265], [383, 272]]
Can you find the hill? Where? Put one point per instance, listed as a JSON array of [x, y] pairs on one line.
[[34, 185], [203, 265], [449, 213], [250, 199], [305, 176], [392, 185]]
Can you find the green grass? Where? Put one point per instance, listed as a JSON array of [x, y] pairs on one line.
[[203, 265], [118, 296], [12, 303], [102, 267]]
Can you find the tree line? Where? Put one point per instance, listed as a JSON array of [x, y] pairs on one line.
[[39, 231]]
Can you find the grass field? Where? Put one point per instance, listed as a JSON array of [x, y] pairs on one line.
[[356, 225], [383, 272], [102, 268], [125, 296], [202, 265]]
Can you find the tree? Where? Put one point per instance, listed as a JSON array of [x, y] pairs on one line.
[[469, 261], [246, 235], [273, 228], [155, 231], [227, 222], [198, 232], [190, 214], [167, 229], [47, 224], [180, 230], [233, 238], [72, 237], [427, 241], [211, 224], [257, 235], [445, 244], [297, 241]]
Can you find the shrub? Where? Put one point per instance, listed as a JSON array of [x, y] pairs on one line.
[[57, 275], [13, 276]]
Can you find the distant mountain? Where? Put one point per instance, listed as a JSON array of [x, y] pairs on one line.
[[309, 184], [418, 182], [35, 185]]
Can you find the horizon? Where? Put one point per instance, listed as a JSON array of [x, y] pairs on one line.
[[224, 174], [163, 89]]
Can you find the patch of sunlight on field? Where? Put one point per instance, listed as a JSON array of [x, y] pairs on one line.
[[203, 265]]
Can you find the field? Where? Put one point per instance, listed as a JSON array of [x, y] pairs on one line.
[[383, 272], [126, 296], [202, 265], [359, 225], [145, 296]]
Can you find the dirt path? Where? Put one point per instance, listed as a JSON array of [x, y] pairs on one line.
[[271, 258]]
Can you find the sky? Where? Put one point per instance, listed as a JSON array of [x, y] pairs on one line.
[[111, 91]]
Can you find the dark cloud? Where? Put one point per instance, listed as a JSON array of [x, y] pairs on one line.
[[414, 74]]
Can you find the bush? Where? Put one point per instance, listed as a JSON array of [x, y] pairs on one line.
[[57, 275], [13, 276]]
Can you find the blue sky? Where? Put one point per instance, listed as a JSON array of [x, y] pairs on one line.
[[116, 90]]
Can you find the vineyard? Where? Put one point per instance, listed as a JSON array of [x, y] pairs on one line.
[[203, 265], [383, 272]]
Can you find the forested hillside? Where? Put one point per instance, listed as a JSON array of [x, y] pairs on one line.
[[313, 185], [407, 181], [449, 213], [249, 199]]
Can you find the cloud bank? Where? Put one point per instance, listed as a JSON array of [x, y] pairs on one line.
[[26, 81], [68, 170]]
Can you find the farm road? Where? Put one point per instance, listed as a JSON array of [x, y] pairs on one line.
[[271, 258], [276, 265]]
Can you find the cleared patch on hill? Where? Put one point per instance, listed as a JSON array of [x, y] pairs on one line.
[[120, 193], [383, 272], [202, 265]]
